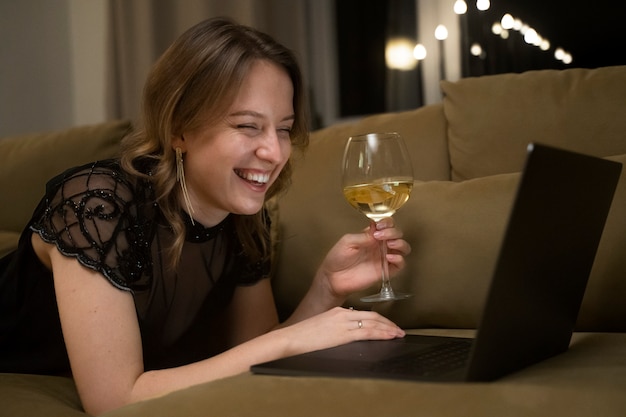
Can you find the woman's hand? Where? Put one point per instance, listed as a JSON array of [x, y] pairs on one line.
[[338, 326], [354, 263]]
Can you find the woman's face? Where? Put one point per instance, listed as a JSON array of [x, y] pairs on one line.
[[230, 165]]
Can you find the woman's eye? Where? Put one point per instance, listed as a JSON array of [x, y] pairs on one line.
[[251, 127]]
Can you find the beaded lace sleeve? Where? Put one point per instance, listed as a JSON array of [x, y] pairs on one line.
[[90, 213]]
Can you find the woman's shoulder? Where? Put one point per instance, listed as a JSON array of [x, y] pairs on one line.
[[101, 179], [93, 212], [91, 175]]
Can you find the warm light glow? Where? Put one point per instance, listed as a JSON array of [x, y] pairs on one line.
[[483, 5], [563, 56], [419, 52], [567, 58], [531, 36], [441, 32], [399, 54], [460, 7], [524, 29], [476, 49], [507, 21], [559, 53]]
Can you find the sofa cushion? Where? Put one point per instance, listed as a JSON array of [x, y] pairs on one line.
[[455, 230], [491, 119], [603, 306], [27, 162], [39, 396]]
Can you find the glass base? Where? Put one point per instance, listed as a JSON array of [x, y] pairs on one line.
[[385, 296]]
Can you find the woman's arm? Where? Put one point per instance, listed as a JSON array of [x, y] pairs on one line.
[[103, 339], [104, 345]]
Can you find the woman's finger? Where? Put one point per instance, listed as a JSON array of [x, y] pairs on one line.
[[399, 246], [372, 323]]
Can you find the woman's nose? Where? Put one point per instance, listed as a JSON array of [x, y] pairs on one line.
[[270, 147]]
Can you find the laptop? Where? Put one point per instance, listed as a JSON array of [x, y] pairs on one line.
[[537, 287]]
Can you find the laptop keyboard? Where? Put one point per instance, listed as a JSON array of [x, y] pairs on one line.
[[438, 360]]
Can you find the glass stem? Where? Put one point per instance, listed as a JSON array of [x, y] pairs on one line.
[[386, 290]]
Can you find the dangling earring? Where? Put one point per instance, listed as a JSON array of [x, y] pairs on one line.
[[180, 177]]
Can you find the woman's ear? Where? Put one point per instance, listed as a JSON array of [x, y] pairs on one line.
[[178, 141]]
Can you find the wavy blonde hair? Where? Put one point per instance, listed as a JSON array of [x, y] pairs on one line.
[[198, 75]]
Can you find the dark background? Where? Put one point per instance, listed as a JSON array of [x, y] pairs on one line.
[[593, 32]]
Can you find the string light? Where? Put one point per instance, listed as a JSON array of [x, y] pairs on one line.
[[441, 32], [567, 59], [531, 37], [507, 21], [460, 7], [483, 5], [402, 54], [419, 52], [529, 34], [476, 49]]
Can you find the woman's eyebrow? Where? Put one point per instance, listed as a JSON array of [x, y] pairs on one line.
[[247, 113], [258, 115]]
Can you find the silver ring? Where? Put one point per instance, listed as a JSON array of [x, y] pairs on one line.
[[351, 308], [360, 323]]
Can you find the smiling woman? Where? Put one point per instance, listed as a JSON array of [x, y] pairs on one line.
[[158, 264], [252, 143]]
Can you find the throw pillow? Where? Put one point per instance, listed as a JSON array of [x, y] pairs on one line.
[[492, 119]]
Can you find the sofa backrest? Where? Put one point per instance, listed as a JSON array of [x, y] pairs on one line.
[[27, 162], [492, 119]]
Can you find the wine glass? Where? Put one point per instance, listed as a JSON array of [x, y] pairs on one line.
[[377, 179]]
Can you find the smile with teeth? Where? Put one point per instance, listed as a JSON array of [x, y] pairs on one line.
[[254, 177]]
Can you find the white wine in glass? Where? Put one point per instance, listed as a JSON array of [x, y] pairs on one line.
[[377, 178]]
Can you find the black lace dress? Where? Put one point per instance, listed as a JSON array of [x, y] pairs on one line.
[[111, 224]]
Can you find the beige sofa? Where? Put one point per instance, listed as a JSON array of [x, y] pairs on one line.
[[467, 153]]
